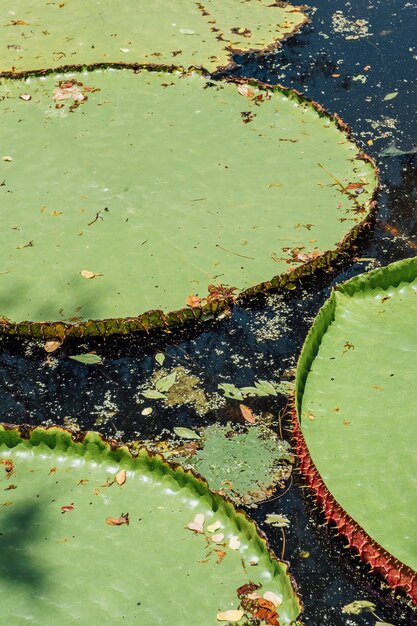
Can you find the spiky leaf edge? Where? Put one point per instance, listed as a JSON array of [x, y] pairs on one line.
[[398, 575], [156, 319], [94, 446]]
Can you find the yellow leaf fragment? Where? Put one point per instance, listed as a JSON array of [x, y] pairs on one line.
[[121, 477], [52, 345], [232, 615], [88, 274]]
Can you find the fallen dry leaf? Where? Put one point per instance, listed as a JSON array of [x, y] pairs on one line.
[[52, 345], [193, 301], [118, 521], [354, 186], [247, 413], [121, 477], [220, 555], [232, 615], [245, 90], [10, 487], [88, 274], [67, 508]]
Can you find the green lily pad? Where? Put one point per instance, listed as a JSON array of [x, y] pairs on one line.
[[155, 185], [46, 34], [246, 466], [91, 535], [355, 403]]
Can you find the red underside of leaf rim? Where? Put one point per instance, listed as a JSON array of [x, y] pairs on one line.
[[397, 575]]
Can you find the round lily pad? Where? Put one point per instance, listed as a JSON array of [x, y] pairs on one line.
[[126, 193], [355, 406], [45, 34], [91, 535]]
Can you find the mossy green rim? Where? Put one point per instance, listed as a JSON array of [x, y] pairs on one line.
[[157, 320]]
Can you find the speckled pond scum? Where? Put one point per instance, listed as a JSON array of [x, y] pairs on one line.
[[91, 535], [355, 401], [43, 34], [125, 192]]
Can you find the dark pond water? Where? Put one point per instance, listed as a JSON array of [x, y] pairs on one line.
[[262, 340]]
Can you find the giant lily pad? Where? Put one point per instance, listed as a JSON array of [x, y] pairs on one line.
[[42, 34], [355, 405], [126, 192], [69, 555]]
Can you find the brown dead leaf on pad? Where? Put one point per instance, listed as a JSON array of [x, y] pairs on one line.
[[118, 521], [121, 477]]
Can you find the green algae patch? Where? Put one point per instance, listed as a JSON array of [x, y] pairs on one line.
[[246, 466], [91, 534], [124, 193], [42, 34], [355, 404]]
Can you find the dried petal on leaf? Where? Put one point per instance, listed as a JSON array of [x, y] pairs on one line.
[[247, 413], [25, 96], [197, 528], [199, 519], [273, 597], [217, 538], [245, 90], [67, 508], [220, 555], [121, 477], [118, 521], [7, 158], [215, 526], [193, 301], [354, 186], [52, 345], [233, 615], [185, 433], [359, 606], [89, 275], [234, 543], [197, 525]]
